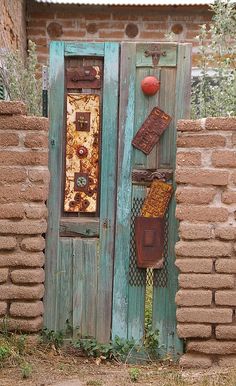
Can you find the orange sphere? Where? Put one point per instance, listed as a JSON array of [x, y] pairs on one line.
[[150, 85]]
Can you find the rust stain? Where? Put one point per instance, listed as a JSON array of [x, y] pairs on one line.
[[82, 154]]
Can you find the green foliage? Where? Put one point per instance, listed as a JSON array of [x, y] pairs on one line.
[[52, 338], [215, 93], [151, 341], [21, 343], [117, 349], [26, 370], [19, 78], [134, 374], [5, 352]]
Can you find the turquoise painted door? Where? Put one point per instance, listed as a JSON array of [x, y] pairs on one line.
[[92, 279], [130, 282], [80, 246]]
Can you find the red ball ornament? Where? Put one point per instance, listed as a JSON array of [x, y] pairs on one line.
[[150, 85]]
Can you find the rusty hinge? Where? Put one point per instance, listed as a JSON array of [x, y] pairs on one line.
[[155, 53]]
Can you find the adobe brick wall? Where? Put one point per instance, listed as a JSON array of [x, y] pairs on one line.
[[24, 179], [13, 25], [206, 252], [46, 22]]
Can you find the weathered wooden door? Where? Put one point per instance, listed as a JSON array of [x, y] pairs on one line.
[[80, 244], [92, 279], [173, 70]]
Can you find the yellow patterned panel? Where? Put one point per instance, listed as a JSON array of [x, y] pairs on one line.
[[82, 153], [157, 200]]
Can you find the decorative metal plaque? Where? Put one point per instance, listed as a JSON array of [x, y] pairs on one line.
[[149, 240], [82, 153], [143, 176], [157, 201], [149, 133], [84, 77]]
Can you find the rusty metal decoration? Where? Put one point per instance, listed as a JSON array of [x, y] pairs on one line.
[[157, 201], [83, 77], [149, 133], [149, 240], [82, 153], [150, 85], [155, 53], [147, 176], [82, 121]]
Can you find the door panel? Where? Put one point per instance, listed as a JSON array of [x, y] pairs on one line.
[[80, 245], [173, 71]]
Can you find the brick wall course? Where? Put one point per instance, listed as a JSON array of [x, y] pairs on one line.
[[194, 265], [196, 231], [206, 252], [195, 361], [195, 195], [99, 23], [24, 180], [194, 331]]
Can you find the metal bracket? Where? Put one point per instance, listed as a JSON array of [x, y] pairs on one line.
[[147, 176], [155, 53]]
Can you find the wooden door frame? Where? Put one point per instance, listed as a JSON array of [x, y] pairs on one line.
[[58, 52]]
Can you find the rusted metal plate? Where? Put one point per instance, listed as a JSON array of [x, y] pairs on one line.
[[83, 77], [147, 176], [149, 133], [82, 154], [82, 121], [149, 240], [157, 201]]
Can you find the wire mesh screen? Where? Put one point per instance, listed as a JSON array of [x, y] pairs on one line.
[[137, 276], [160, 276], [142, 276]]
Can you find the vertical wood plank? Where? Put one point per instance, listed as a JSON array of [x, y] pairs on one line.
[[164, 307], [56, 114], [89, 305], [167, 103], [77, 284], [64, 284], [141, 112], [152, 158], [108, 190], [124, 190], [136, 298]]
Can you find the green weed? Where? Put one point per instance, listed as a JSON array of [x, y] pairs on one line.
[[134, 374], [26, 370], [5, 352], [52, 338]]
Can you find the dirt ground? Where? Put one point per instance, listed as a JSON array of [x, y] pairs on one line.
[[57, 368]]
